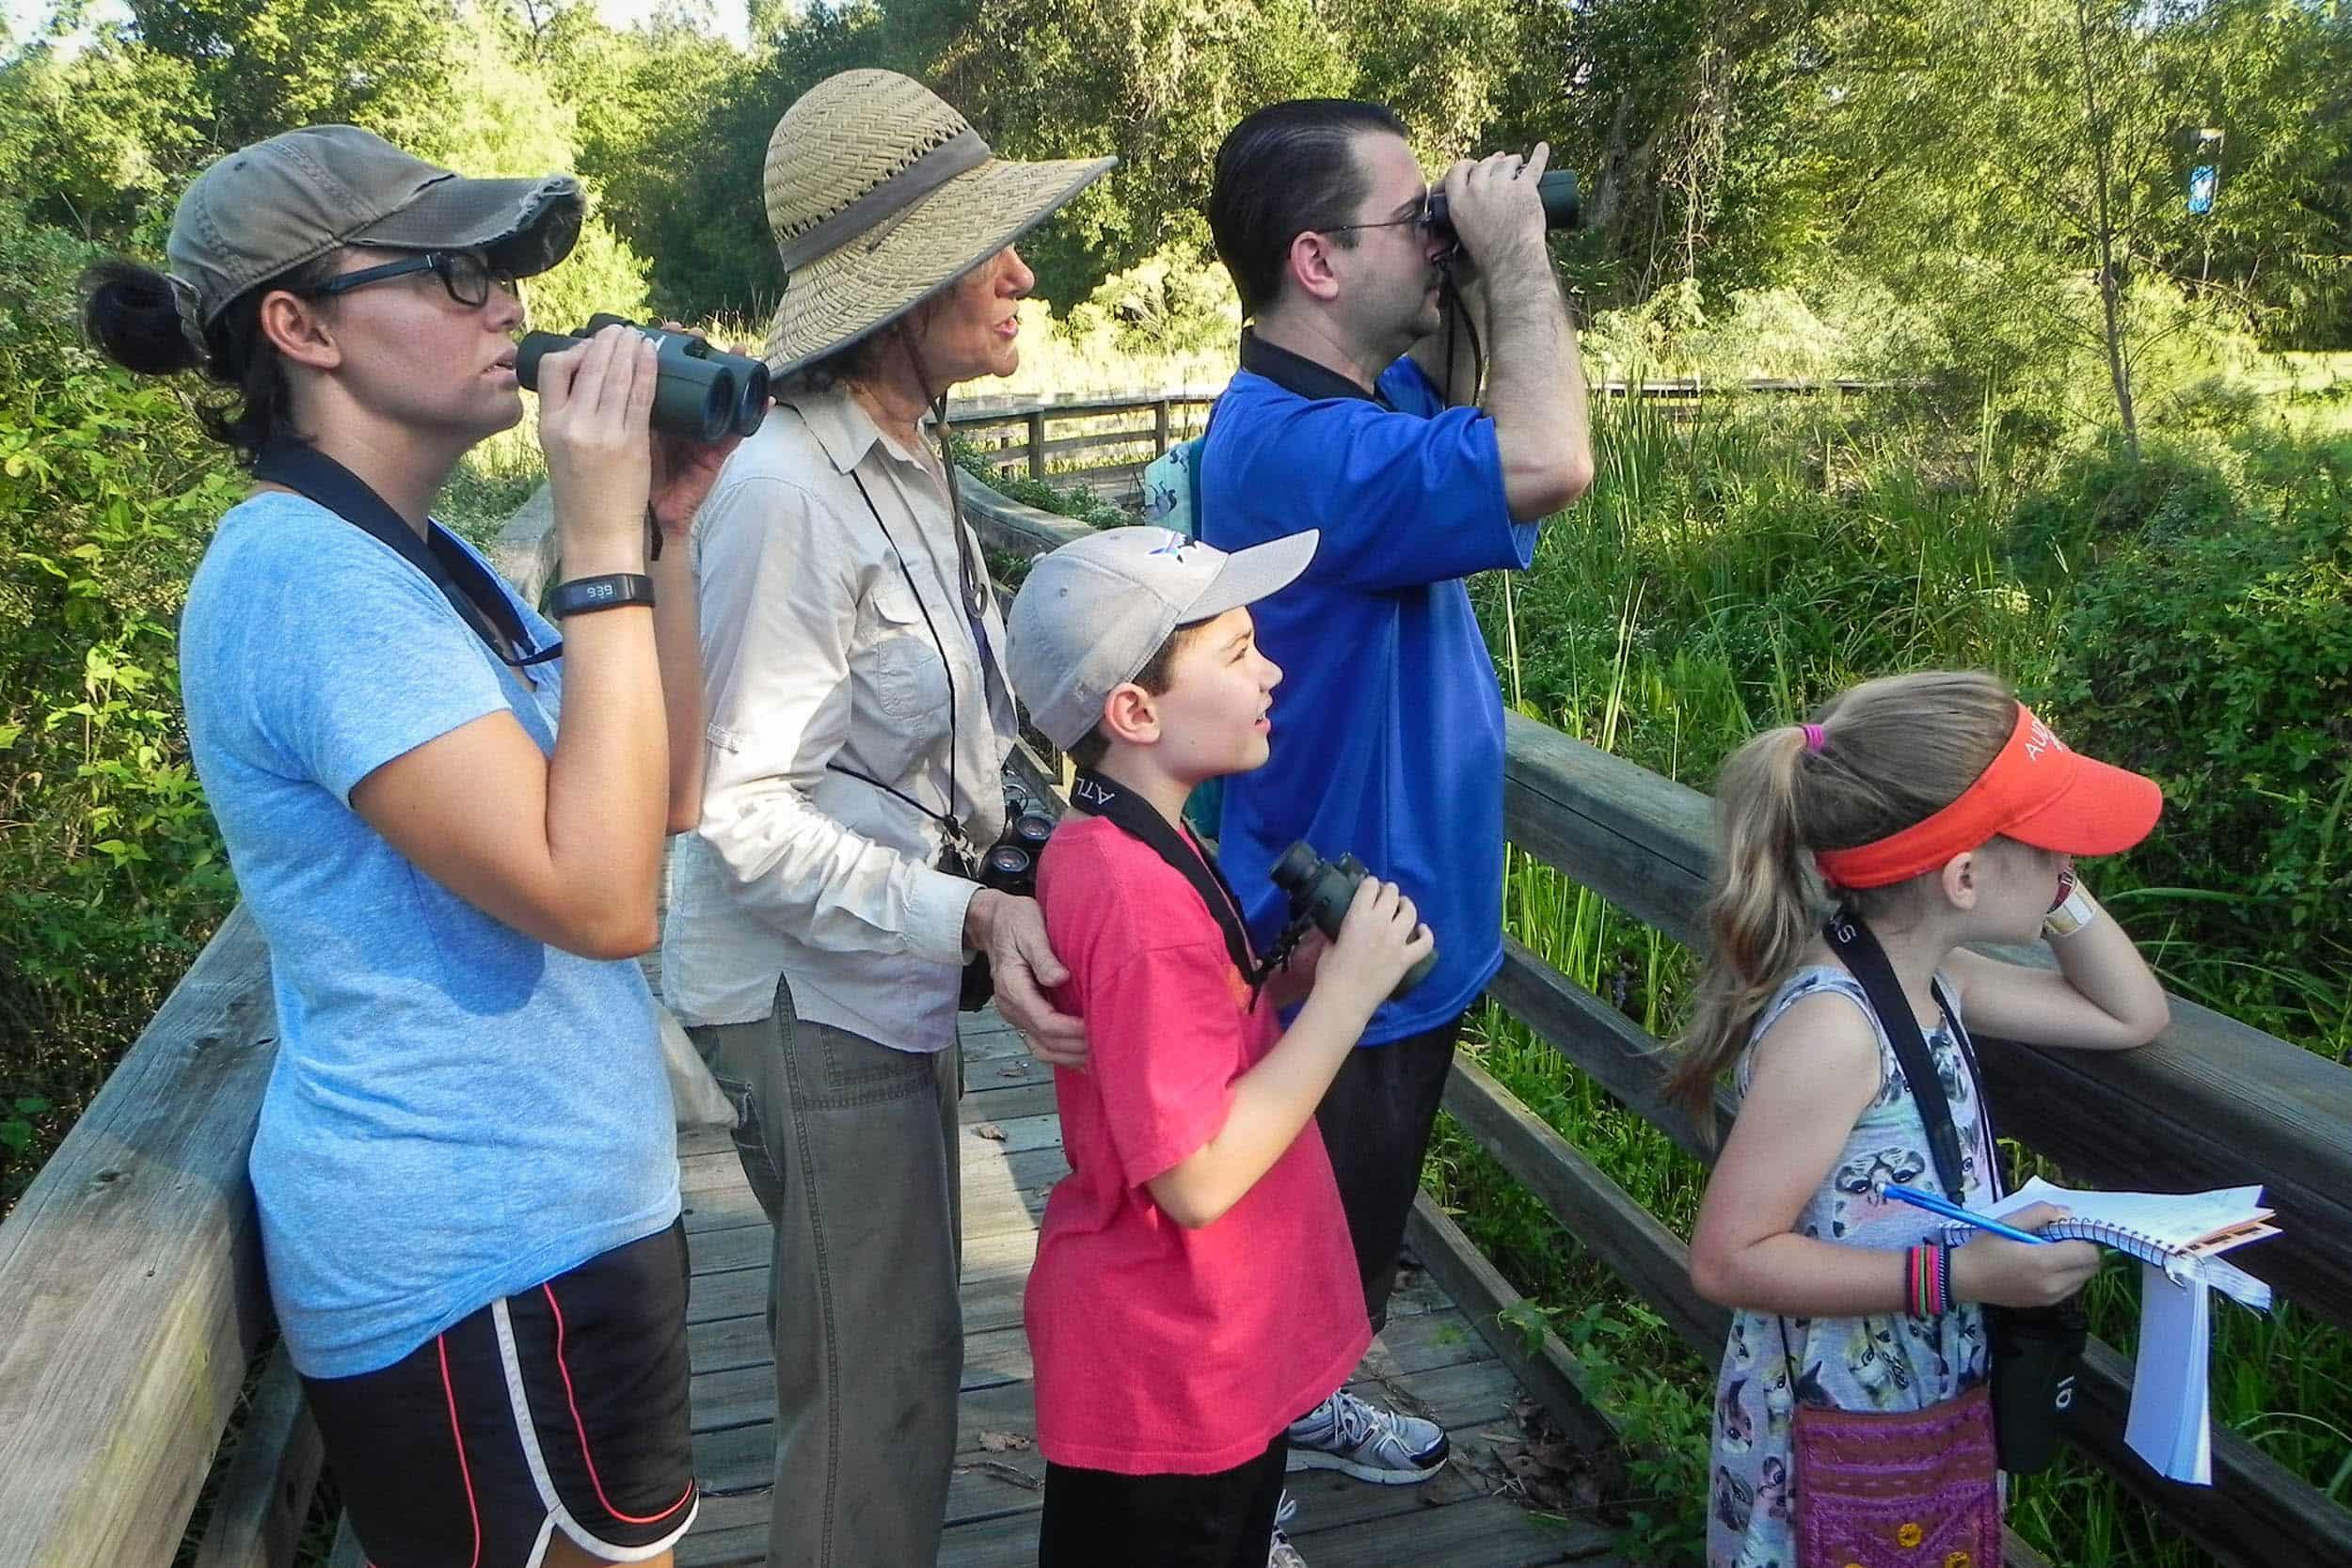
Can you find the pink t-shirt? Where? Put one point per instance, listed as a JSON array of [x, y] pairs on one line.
[[1163, 1351]]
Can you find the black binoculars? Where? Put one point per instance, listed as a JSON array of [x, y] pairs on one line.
[[1557, 189], [699, 392], [1320, 891], [1009, 866]]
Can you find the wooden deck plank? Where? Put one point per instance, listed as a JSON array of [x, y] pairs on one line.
[[986, 1506], [1430, 1360], [1005, 1104]]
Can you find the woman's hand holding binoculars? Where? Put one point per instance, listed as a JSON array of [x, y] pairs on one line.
[[684, 469], [605, 460], [596, 404]]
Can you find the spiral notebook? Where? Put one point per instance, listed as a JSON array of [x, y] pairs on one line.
[[2179, 1239], [2163, 1228]]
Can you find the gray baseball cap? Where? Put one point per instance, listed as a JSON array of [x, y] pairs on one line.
[[268, 208], [1094, 611]]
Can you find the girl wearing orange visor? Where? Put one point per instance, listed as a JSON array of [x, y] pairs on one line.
[[1858, 856]]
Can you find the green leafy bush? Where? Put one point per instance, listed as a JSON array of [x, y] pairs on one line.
[[111, 873], [2212, 647]]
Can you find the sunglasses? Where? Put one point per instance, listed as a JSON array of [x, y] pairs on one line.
[[466, 274]]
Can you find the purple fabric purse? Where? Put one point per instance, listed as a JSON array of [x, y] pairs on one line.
[[1898, 1488]]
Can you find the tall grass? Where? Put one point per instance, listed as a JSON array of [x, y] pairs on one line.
[[1727, 571]]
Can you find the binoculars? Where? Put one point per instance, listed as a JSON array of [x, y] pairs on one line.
[[1557, 189], [1009, 866], [1320, 891], [699, 392]]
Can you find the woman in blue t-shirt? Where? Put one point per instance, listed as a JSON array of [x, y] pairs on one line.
[[465, 1166]]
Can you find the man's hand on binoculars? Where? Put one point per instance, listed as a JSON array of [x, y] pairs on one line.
[[1495, 208]]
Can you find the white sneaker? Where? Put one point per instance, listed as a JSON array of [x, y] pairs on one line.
[[1280, 1553], [1362, 1440]]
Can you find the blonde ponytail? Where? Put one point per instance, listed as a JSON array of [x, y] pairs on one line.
[[1887, 753], [1762, 910]]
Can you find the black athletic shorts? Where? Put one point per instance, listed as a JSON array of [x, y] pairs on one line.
[[563, 1407]]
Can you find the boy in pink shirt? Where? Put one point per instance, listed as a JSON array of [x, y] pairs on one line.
[[1194, 1288]]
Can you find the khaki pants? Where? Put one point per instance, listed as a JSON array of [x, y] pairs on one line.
[[850, 1147]]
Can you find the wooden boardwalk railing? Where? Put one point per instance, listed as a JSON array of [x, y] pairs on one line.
[[131, 1300], [1016, 432]]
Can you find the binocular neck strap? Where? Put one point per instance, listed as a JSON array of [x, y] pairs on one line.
[[1135, 816], [471, 591]]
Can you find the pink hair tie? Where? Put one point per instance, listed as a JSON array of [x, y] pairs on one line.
[[1815, 737]]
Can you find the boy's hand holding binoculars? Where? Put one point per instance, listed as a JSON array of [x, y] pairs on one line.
[[1381, 938]]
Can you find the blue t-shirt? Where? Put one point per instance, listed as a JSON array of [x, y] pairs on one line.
[[1388, 725], [458, 1111]]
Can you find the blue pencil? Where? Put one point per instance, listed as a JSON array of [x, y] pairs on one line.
[[1951, 1211]]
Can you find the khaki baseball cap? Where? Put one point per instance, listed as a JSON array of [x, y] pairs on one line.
[[1093, 612], [265, 209]]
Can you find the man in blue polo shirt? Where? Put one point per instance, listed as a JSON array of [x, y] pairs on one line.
[[1356, 411]]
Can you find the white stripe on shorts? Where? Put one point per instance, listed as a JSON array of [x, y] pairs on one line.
[[578, 1534]]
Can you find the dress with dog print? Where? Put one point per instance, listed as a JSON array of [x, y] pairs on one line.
[[1893, 1362]]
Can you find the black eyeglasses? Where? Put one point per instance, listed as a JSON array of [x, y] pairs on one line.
[[466, 276]]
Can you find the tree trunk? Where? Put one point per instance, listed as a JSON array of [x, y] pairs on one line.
[[2110, 285]]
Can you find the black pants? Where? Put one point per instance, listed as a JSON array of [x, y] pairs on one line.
[[1376, 1119], [1097, 1517]]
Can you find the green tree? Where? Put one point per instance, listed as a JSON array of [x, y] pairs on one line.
[[1158, 83], [2022, 167], [262, 66]]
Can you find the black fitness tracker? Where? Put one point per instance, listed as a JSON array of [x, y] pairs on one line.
[[609, 592]]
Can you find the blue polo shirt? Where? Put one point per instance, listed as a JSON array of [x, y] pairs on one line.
[[1388, 725]]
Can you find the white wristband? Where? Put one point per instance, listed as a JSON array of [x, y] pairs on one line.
[[2069, 916]]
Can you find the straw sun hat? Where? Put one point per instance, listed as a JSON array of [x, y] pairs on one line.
[[880, 196]]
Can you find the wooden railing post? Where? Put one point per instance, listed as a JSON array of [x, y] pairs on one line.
[[1037, 443], [1159, 426]]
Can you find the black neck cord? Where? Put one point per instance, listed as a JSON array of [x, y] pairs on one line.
[[471, 591], [946, 667], [1457, 314]]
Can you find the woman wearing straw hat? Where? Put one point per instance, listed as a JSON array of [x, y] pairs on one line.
[[858, 721]]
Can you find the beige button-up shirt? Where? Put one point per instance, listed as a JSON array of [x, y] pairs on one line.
[[818, 655]]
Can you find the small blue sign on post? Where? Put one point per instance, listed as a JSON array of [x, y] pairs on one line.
[[2204, 176], [2203, 182]]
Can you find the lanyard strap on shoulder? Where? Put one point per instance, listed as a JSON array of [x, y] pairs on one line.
[[477, 598], [1135, 816], [946, 669], [1859, 949]]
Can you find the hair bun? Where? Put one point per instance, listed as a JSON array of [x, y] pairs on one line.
[[128, 311]]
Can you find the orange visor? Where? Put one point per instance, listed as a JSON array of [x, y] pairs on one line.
[[2036, 792]]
